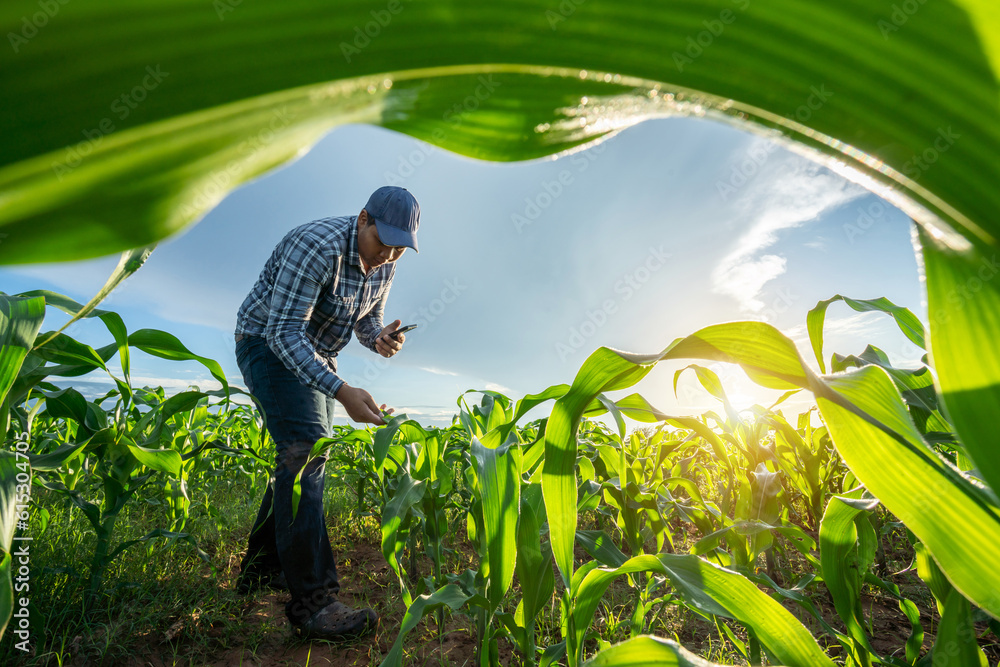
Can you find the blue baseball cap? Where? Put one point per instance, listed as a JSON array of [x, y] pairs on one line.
[[396, 214]]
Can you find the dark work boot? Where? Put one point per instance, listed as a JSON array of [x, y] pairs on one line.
[[338, 621]]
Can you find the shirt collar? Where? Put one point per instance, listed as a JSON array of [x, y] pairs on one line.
[[353, 254]]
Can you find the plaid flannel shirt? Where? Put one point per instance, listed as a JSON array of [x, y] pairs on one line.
[[311, 294]]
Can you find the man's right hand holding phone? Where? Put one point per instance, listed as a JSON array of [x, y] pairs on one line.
[[390, 340]]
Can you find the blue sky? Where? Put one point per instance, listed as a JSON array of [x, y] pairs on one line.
[[526, 268]]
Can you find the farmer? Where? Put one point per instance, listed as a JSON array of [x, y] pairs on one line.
[[323, 280]]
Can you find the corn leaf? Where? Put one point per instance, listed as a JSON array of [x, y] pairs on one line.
[[869, 426], [20, 320], [534, 567], [127, 122], [955, 644], [500, 489], [963, 301], [450, 595], [906, 320], [647, 651], [167, 346], [842, 571], [711, 590]]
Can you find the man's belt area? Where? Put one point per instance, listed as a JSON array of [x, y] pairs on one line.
[[240, 337]]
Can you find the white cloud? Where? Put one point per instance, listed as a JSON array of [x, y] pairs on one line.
[[426, 412], [789, 192], [436, 371], [493, 386], [856, 325], [171, 385]]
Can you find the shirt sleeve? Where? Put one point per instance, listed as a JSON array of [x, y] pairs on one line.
[[368, 327], [300, 275]]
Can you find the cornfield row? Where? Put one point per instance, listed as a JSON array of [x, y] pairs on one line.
[[734, 517]]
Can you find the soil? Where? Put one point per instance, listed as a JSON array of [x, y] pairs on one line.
[[367, 581]]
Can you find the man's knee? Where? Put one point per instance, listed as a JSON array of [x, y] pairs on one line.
[[291, 458]]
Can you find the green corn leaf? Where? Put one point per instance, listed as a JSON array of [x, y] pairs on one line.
[[906, 320], [710, 381], [638, 408], [58, 457], [604, 370], [128, 263], [408, 493], [932, 575], [842, 569], [955, 644], [412, 431], [868, 423], [499, 487], [601, 547], [916, 386], [534, 565], [646, 651], [91, 174], [963, 302], [929, 498], [111, 320], [167, 346], [6, 592], [450, 595], [62, 349], [66, 404], [711, 590], [20, 320], [73, 191], [164, 460]]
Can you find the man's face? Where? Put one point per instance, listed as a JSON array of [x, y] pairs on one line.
[[373, 252]]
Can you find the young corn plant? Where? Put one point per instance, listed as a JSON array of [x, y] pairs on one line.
[[81, 450]]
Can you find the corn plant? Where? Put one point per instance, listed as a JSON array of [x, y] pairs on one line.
[[81, 450]]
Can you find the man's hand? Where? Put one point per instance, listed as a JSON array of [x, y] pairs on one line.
[[385, 344], [361, 406]]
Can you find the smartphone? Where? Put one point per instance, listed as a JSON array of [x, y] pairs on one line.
[[408, 327]]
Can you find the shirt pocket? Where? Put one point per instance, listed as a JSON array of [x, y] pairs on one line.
[[370, 298], [338, 308]]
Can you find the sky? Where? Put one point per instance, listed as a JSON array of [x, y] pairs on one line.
[[526, 268]]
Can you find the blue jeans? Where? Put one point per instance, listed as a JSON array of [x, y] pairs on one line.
[[297, 416]]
